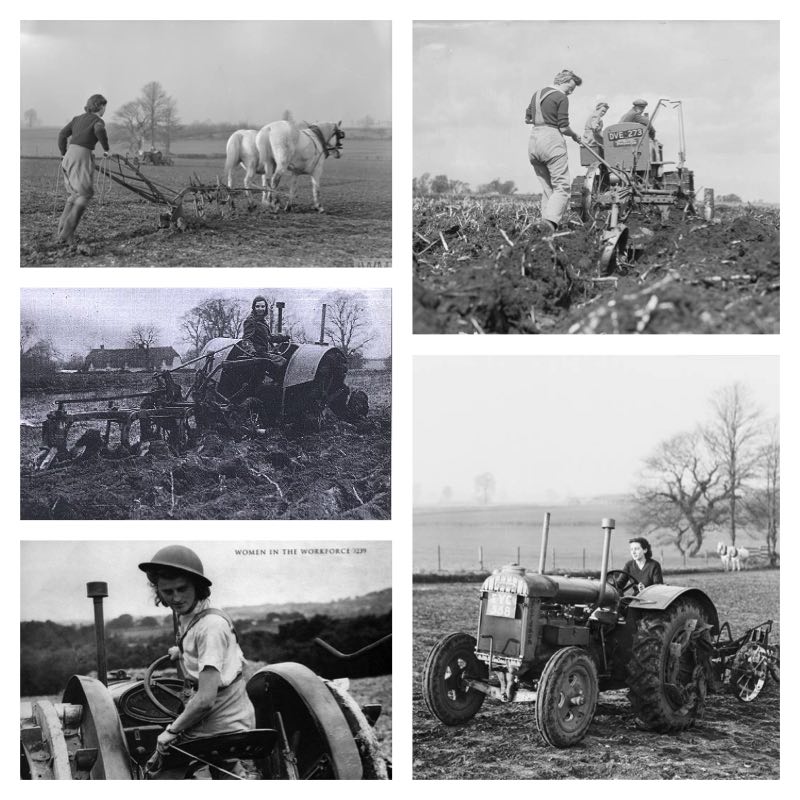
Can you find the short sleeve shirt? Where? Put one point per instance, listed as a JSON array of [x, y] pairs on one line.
[[210, 643]]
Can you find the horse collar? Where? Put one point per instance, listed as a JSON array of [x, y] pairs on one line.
[[318, 133]]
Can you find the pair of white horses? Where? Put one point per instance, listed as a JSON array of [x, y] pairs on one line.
[[279, 148], [732, 557]]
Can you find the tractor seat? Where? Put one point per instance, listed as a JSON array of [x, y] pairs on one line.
[[253, 745]]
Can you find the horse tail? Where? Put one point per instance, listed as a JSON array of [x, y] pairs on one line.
[[232, 154]]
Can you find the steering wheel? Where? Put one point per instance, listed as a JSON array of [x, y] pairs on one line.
[[628, 582], [150, 682], [283, 348]]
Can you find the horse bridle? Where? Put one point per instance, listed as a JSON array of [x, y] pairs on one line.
[[327, 148]]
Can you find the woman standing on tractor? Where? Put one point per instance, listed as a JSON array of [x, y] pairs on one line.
[[77, 164], [207, 648], [642, 567]]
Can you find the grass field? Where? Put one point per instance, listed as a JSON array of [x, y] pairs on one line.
[[122, 230], [575, 541]]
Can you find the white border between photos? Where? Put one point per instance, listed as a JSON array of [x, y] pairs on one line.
[[399, 529]]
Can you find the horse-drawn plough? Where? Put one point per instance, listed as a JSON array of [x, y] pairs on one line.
[[196, 198]]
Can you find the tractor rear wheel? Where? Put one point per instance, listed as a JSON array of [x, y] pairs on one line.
[[666, 675], [567, 697], [450, 661]]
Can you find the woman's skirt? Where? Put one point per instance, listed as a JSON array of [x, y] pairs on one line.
[[78, 169]]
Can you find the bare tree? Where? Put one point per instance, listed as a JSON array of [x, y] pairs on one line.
[[27, 334], [347, 327], [215, 317], [131, 118], [31, 118], [143, 336], [763, 502], [153, 101], [484, 487], [170, 122], [733, 437], [682, 492]]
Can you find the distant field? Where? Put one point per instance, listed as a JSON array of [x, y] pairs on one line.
[[500, 530]]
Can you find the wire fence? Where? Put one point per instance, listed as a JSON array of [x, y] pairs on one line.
[[447, 559]]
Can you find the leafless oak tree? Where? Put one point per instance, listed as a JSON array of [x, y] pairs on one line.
[[347, 326], [734, 439], [144, 336], [213, 318]]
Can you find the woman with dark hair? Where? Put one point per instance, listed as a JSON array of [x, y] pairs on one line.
[[206, 646], [642, 567], [77, 164]]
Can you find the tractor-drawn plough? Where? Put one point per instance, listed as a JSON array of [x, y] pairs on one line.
[[230, 391]]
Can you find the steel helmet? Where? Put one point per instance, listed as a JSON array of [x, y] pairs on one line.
[[176, 556]]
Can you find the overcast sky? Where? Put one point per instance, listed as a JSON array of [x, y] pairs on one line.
[[77, 320], [54, 575], [218, 71], [558, 426], [473, 81]]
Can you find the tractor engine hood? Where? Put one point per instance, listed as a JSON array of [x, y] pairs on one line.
[[517, 580]]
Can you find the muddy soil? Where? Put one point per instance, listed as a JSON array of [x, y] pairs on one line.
[[487, 268], [733, 740], [340, 471], [121, 230]]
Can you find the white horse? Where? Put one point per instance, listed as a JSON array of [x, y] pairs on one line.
[[286, 147], [241, 149], [732, 557]]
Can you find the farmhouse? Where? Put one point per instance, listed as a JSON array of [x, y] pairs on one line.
[[132, 359]]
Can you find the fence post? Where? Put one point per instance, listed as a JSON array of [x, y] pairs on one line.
[[480, 556], [518, 556], [439, 557], [584, 559]]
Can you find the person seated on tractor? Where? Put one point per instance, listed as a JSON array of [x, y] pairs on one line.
[[593, 129], [637, 114], [207, 648], [642, 567], [258, 333]]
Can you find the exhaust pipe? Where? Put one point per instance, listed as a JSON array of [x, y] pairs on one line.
[[97, 590], [545, 536], [280, 305], [607, 525], [322, 324]]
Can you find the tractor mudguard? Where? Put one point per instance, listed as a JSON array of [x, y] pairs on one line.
[[302, 367], [290, 687], [224, 345], [661, 596]]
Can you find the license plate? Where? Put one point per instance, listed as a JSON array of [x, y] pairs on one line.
[[501, 604]]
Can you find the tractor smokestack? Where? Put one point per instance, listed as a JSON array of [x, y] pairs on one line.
[[545, 535], [280, 305], [322, 324], [607, 525], [97, 590]]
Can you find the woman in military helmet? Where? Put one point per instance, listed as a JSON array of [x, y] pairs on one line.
[[207, 648]]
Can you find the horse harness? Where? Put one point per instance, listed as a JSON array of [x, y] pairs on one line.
[[327, 149]]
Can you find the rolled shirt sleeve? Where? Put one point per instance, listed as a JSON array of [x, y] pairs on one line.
[[213, 641]]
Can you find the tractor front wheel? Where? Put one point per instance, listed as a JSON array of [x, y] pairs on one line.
[[666, 672], [567, 697], [447, 697]]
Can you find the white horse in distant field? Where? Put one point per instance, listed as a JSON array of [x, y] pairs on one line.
[[299, 150], [241, 149], [732, 557]]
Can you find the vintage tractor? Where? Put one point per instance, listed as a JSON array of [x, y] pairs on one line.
[[231, 390], [307, 728], [627, 175], [557, 642]]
